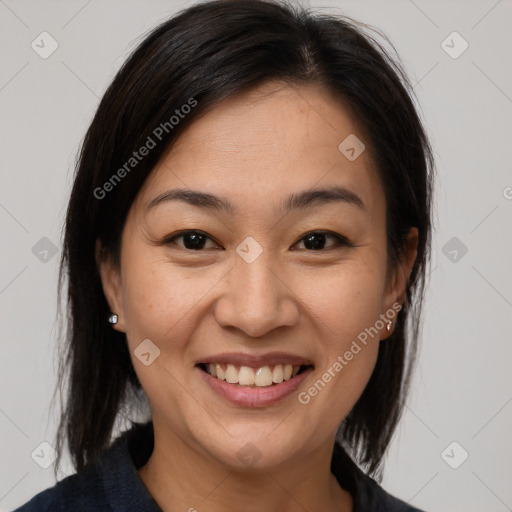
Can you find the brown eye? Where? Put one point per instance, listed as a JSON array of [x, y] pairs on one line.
[[316, 241], [192, 240]]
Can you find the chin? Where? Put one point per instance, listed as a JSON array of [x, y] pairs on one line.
[[254, 448]]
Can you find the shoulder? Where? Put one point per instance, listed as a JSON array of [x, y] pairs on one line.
[[367, 494], [109, 483], [82, 491], [372, 497]]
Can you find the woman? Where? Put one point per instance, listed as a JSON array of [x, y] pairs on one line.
[[245, 248]]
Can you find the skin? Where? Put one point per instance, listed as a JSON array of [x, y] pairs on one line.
[[255, 149]]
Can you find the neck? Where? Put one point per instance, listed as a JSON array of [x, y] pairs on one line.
[[180, 477]]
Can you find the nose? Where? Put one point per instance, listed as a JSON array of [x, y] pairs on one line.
[[257, 299]]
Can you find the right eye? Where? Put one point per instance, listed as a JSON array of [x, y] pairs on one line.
[[193, 240]]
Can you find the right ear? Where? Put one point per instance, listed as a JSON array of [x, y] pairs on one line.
[[111, 283]]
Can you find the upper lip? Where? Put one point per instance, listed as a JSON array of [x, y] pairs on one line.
[[256, 361]]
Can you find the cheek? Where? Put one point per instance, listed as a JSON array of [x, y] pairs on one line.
[[346, 306], [162, 305], [165, 303], [157, 300], [346, 298]]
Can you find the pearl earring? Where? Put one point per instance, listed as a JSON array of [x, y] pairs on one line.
[[112, 318], [389, 326]]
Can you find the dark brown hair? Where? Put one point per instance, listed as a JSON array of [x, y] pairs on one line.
[[209, 52]]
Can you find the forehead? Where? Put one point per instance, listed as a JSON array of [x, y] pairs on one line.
[[267, 143]]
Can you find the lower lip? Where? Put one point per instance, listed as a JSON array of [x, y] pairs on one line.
[[254, 396]]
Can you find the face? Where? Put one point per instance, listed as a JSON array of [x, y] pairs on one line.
[[260, 279]]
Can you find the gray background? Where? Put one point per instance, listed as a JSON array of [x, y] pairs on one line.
[[462, 388]]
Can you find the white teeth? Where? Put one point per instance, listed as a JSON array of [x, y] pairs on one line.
[[231, 374], [263, 377], [247, 376], [221, 374], [277, 374]]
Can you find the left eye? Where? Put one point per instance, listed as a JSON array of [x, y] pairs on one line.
[[316, 240]]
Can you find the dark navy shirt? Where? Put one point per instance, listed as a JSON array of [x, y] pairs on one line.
[[112, 483]]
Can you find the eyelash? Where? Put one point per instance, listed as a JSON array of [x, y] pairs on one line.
[[341, 241]]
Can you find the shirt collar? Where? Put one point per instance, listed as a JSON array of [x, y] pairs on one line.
[[125, 490]]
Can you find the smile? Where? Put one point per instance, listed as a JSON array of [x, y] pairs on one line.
[[262, 376], [259, 386]]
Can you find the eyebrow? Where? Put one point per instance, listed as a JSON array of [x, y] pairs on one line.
[[305, 199]]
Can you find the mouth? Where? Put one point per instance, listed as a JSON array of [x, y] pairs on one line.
[[263, 376], [254, 380], [247, 380]]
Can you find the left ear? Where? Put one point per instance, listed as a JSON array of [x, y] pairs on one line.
[[397, 282]]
